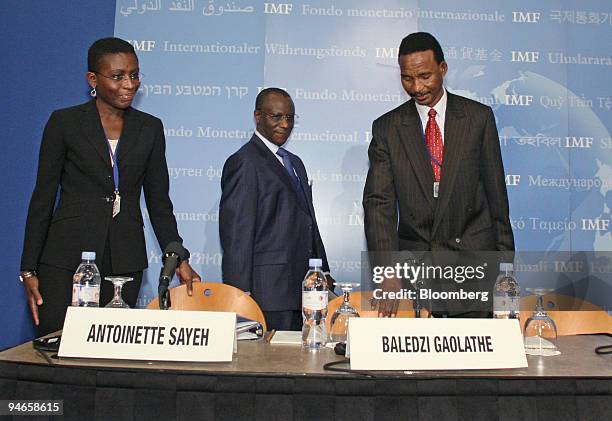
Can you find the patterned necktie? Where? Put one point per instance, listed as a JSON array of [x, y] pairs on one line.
[[289, 167], [298, 189], [435, 146]]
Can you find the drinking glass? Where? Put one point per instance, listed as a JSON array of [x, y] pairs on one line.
[[340, 319], [118, 281], [540, 334]]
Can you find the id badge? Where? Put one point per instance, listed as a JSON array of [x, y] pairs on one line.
[[436, 188], [116, 204]]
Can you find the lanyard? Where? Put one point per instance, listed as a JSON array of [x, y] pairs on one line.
[[115, 166]]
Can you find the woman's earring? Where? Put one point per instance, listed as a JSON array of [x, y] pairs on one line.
[[93, 92]]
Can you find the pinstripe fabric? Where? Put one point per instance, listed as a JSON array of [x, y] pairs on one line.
[[471, 212]]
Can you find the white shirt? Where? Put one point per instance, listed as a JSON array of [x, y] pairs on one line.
[[440, 108], [273, 148], [113, 145]]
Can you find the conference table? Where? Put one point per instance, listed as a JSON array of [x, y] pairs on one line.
[[285, 382]]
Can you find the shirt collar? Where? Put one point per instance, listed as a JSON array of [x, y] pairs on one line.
[[273, 148], [440, 108]]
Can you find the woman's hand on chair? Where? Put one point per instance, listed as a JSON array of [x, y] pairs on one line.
[[187, 276]]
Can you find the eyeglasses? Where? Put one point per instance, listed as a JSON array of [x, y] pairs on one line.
[[134, 77], [289, 118]]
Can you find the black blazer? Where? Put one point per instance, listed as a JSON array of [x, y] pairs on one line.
[[75, 159], [471, 212], [267, 233]]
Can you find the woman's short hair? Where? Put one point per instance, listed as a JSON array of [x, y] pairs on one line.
[[105, 46]]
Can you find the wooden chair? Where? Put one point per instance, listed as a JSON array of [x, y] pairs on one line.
[[214, 296], [575, 317], [578, 316], [361, 300]]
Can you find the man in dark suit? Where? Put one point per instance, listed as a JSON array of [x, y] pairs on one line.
[[267, 221], [436, 178]]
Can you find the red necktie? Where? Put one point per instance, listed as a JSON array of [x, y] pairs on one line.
[[435, 146]]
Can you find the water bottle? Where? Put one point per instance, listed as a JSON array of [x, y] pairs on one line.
[[314, 306], [506, 294], [86, 282]]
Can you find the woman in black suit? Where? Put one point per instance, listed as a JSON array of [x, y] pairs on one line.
[[100, 155]]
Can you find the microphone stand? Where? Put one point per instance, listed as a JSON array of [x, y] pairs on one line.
[[172, 252], [416, 304], [164, 294], [418, 284]]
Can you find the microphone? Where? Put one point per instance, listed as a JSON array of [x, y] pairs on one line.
[[171, 259], [418, 284], [416, 304]]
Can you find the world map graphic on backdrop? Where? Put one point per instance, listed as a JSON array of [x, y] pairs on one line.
[[543, 68]]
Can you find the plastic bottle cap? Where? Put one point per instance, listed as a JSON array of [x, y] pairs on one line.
[[88, 255], [506, 267], [315, 262]]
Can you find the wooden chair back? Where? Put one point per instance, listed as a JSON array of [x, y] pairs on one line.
[[214, 296], [572, 316], [577, 317]]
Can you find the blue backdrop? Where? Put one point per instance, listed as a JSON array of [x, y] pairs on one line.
[[544, 68], [44, 60]]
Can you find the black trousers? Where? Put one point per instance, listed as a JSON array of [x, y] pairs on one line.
[[284, 320], [55, 286]]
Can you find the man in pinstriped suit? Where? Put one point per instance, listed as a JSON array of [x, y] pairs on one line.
[[410, 204]]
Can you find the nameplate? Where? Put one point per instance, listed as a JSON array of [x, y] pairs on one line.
[[435, 344], [134, 334]]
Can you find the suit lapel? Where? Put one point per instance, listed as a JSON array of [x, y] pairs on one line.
[[455, 127], [301, 173], [274, 164], [129, 134], [411, 136], [94, 132]]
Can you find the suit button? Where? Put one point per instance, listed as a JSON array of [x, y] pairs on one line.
[[457, 240]]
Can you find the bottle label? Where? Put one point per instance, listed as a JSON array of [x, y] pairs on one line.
[[314, 300], [506, 303], [515, 303], [90, 294], [499, 303], [76, 293]]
